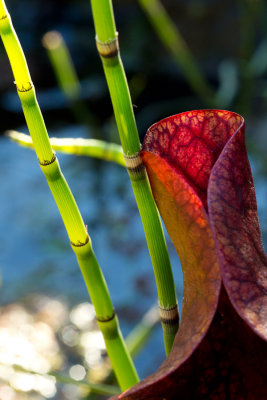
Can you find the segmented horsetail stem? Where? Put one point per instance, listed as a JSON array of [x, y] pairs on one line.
[[108, 47], [79, 238], [80, 146]]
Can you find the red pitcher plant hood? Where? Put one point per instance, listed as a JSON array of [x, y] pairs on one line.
[[201, 180]]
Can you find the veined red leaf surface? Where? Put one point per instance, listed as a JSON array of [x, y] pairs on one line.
[[201, 180]]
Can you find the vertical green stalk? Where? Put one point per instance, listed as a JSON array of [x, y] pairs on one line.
[[248, 24], [142, 331], [79, 238], [108, 48], [174, 42], [62, 64], [67, 78]]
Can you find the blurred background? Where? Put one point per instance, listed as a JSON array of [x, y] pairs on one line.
[[46, 321]]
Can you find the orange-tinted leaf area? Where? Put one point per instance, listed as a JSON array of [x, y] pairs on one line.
[[201, 180]]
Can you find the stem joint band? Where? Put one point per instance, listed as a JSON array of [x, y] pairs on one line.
[[135, 166], [108, 49], [169, 316], [45, 163], [79, 243], [107, 319], [28, 86]]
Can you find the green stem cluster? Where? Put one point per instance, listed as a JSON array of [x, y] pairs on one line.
[[108, 48], [79, 238]]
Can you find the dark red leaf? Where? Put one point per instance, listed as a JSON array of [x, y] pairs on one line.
[[201, 180], [234, 219]]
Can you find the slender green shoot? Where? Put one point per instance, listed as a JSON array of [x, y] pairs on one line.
[[174, 42], [108, 48], [97, 388], [79, 146], [79, 238], [67, 78], [59, 55], [137, 338]]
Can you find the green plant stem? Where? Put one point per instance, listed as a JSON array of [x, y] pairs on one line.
[[174, 42], [79, 146], [62, 64], [67, 78], [79, 238], [100, 388], [140, 334], [107, 44], [137, 338]]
